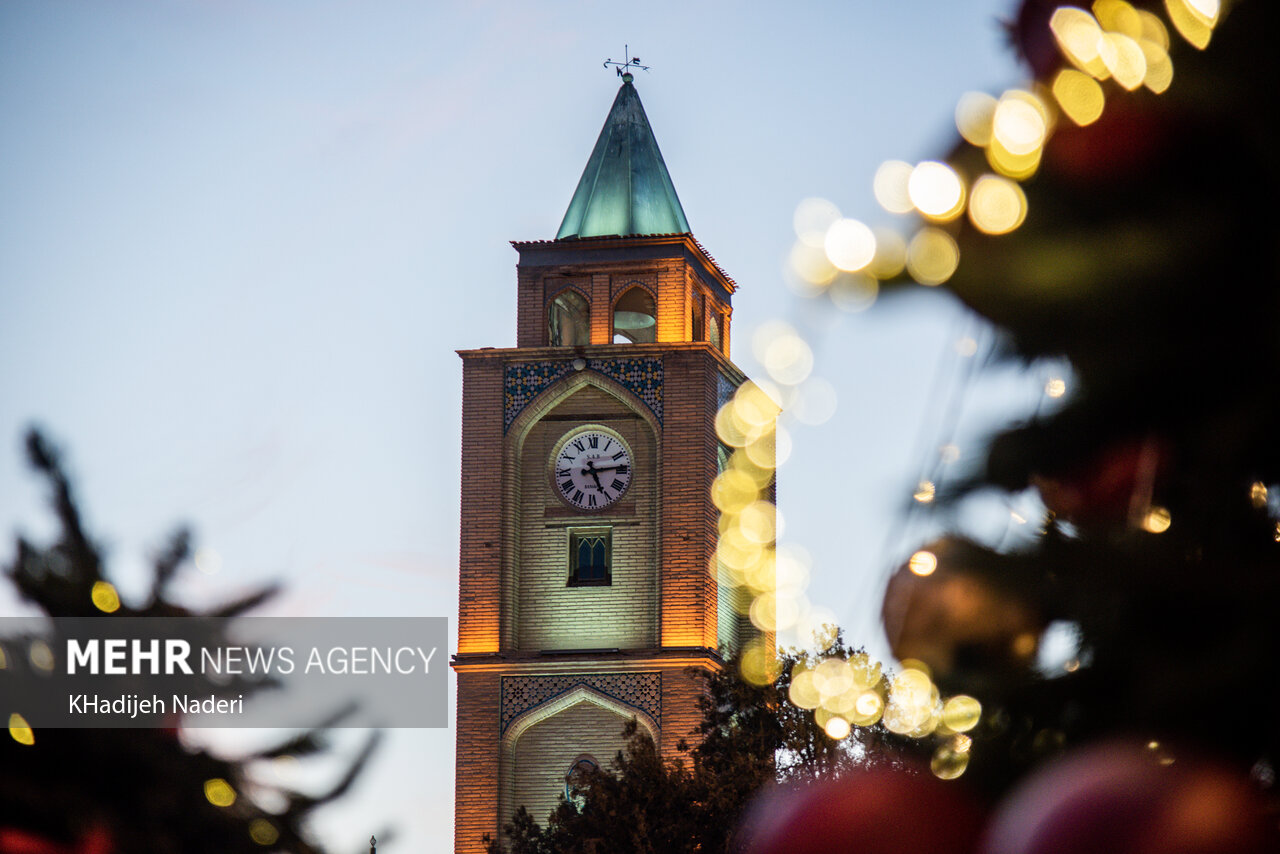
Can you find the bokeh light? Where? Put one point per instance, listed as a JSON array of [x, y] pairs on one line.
[[948, 763], [1124, 59], [218, 792], [811, 220], [1021, 123], [263, 832], [961, 713], [923, 563], [1078, 34], [925, 492], [936, 190], [1194, 19], [932, 256], [104, 597], [890, 186], [837, 728], [891, 254], [1079, 96], [997, 205], [40, 655], [20, 731], [849, 245], [1157, 520], [974, 113]]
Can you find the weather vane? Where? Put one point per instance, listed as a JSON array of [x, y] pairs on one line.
[[633, 62]]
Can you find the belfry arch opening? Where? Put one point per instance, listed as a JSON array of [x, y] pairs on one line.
[[635, 317]]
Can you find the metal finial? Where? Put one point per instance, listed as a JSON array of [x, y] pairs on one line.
[[373, 845], [624, 68]]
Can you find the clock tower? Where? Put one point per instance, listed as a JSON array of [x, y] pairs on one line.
[[587, 578]]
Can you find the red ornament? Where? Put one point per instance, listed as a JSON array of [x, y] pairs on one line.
[[872, 810], [1130, 798], [1114, 485]]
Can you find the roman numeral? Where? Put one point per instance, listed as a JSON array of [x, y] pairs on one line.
[[563, 472], [577, 443], [607, 444], [566, 486], [593, 441], [623, 469], [591, 501], [567, 456], [577, 497], [618, 484], [618, 455]]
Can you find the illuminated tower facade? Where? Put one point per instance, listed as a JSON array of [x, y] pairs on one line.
[[587, 586]]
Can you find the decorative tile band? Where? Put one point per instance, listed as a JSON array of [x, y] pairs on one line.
[[642, 691], [725, 389], [523, 381]]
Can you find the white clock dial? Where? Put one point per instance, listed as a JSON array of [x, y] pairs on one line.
[[591, 468]]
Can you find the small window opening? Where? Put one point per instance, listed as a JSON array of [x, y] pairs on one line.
[[717, 331], [569, 319], [698, 316], [590, 556], [635, 318], [576, 781]]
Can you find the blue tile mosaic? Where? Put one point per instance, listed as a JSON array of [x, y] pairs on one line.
[[524, 381]]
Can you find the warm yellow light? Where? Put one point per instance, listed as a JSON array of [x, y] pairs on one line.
[[20, 730], [832, 678], [948, 763], [1194, 19], [923, 563], [1024, 645], [758, 522], [764, 612], [997, 205], [733, 490], [1020, 123], [1079, 96], [911, 706], [812, 219], [1016, 166], [1153, 29], [788, 359], [932, 256], [925, 492], [891, 254], [1159, 75], [1055, 387], [811, 265], [1118, 16], [263, 832], [1124, 59], [771, 448], [850, 245], [837, 728], [869, 703], [1157, 520], [40, 655], [974, 113], [961, 713], [890, 186], [759, 664], [936, 190], [1258, 494], [219, 792], [4, 662], [803, 693], [854, 292], [104, 597], [1077, 34]]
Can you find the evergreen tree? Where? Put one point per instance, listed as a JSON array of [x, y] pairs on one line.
[[99, 791]]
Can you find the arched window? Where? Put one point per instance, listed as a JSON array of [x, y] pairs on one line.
[[698, 316], [569, 319], [578, 779], [635, 318]]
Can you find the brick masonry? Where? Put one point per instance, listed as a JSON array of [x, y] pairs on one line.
[[518, 616]]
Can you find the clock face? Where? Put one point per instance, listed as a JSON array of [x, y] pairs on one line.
[[591, 468]]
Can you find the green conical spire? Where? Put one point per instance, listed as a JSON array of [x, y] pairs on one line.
[[625, 188]]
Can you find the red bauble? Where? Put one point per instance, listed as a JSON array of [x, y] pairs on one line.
[[1119, 797], [871, 811], [1111, 486]]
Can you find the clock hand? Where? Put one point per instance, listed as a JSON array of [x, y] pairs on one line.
[[592, 470], [610, 468]]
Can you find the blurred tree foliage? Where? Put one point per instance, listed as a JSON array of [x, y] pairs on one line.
[[98, 791]]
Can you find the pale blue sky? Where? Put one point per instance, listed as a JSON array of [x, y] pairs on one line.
[[240, 241]]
